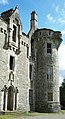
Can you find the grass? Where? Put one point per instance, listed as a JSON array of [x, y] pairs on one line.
[[10, 115], [6, 116], [63, 111], [16, 115]]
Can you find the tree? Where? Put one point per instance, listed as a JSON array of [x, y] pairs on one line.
[[62, 95]]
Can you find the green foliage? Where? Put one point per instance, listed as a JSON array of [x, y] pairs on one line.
[[62, 95]]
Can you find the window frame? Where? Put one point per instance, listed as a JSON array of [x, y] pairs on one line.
[[30, 71], [49, 48], [49, 73], [12, 63], [14, 32], [50, 96]]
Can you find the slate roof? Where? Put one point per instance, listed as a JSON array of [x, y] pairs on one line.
[[5, 15]]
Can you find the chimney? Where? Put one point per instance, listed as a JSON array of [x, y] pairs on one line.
[[33, 21]]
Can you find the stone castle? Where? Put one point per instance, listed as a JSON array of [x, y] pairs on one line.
[[29, 68]]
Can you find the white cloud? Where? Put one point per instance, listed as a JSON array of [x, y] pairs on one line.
[[57, 8], [61, 53], [61, 21], [62, 57], [59, 18], [50, 18], [3, 2], [63, 33], [62, 13], [64, 4], [60, 80]]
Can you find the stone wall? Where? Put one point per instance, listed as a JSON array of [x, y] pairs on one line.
[[21, 73], [3, 60], [31, 94], [22, 77], [42, 62]]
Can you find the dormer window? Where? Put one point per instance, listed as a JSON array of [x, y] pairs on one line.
[[14, 33]]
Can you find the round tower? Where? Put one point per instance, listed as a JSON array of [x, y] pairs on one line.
[[46, 80]]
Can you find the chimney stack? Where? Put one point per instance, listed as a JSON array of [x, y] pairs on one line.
[[33, 21]]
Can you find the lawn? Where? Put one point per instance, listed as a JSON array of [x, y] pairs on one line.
[[17, 115], [10, 115]]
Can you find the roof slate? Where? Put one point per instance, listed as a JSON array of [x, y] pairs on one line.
[[5, 15]]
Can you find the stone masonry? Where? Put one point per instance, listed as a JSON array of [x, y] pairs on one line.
[[29, 69]]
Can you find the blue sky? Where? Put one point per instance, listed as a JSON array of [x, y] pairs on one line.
[[51, 14]]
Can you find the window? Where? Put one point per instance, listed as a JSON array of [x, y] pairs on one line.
[[50, 96], [4, 31], [22, 42], [40, 33], [32, 45], [30, 96], [49, 33], [30, 71], [32, 48], [1, 30], [5, 39], [27, 51], [14, 33], [49, 49], [11, 76], [31, 84], [49, 73], [12, 63]]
